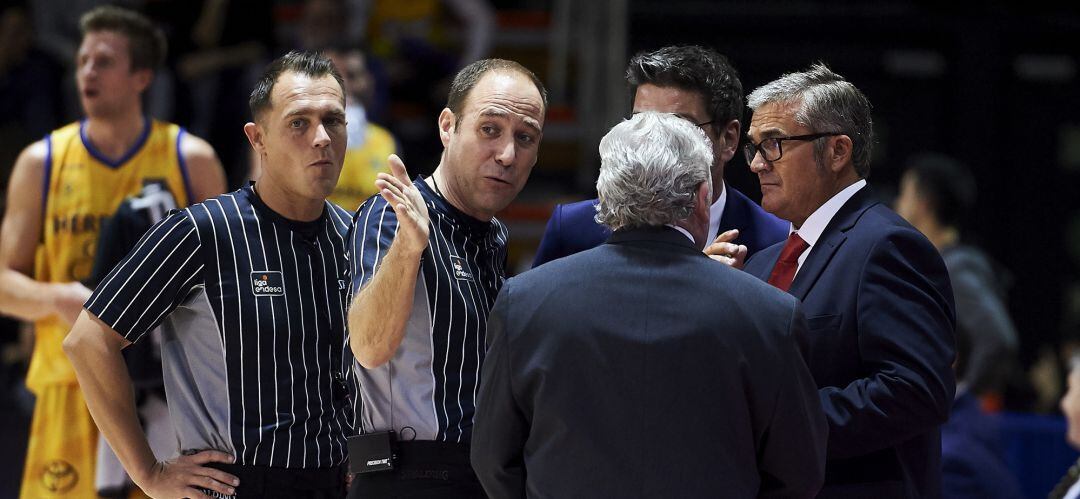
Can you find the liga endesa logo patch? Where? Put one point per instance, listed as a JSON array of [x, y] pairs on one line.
[[267, 283], [461, 268]]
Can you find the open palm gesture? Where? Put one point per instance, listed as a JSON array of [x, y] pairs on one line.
[[408, 204]]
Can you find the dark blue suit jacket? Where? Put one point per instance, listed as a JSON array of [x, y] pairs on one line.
[[612, 373], [881, 320], [572, 227]]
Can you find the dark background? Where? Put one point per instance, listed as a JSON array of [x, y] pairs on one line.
[[993, 84]]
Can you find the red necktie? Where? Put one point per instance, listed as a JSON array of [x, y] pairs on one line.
[[784, 271]]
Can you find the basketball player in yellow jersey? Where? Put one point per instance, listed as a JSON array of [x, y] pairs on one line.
[[61, 189]]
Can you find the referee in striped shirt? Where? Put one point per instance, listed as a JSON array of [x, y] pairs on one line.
[[428, 258], [250, 289]]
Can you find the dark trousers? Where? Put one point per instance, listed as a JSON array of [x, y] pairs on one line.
[[281, 483], [423, 470]]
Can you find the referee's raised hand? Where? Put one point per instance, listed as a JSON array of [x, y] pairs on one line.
[[188, 475], [398, 190]]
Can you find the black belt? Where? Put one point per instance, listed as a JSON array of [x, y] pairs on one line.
[[259, 480], [424, 469], [430, 460]]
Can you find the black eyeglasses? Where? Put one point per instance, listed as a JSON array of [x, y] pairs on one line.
[[771, 148]]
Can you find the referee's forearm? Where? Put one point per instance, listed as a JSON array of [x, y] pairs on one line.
[[94, 350], [381, 309]]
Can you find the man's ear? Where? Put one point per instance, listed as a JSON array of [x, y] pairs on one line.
[[143, 78], [730, 134], [254, 135], [703, 203], [446, 125], [838, 153]]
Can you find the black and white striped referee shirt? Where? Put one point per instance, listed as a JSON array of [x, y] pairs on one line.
[[428, 389], [252, 308]]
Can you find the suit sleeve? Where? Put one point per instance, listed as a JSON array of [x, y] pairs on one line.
[[551, 243], [906, 328], [761, 263], [500, 428], [792, 455]]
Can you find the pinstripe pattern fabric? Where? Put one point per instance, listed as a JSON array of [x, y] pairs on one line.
[[429, 387], [275, 289]]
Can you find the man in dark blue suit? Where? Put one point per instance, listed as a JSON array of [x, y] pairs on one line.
[[614, 373], [876, 293], [972, 454], [699, 85]]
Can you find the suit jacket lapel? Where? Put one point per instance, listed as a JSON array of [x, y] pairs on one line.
[[834, 235], [735, 211], [761, 264]]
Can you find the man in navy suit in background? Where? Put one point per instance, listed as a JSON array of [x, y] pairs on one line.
[[876, 293], [699, 85]]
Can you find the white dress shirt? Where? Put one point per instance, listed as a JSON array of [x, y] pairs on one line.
[[817, 221], [1074, 491], [716, 211], [684, 232]]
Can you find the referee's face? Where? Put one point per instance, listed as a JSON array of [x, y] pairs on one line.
[[492, 147], [303, 136]]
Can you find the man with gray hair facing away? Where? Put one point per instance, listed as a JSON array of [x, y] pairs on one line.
[[875, 291], [657, 371]]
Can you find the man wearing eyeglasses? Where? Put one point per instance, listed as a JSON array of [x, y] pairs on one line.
[[699, 85], [876, 293]]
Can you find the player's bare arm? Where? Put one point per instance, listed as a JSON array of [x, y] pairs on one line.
[[21, 296]]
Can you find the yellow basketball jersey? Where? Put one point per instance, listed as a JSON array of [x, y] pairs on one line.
[[82, 188], [357, 180], [390, 20]]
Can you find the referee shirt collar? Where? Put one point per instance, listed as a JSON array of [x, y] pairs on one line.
[[307, 229], [457, 216]]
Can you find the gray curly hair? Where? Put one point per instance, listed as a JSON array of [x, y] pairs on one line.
[[650, 168]]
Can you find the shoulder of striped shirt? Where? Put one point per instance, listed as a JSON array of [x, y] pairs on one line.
[[500, 226], [339, 215], [216, 199], [375, 204], [198, 214]]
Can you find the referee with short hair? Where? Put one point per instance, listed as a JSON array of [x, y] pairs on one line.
[[428, 259], [250, 289]]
